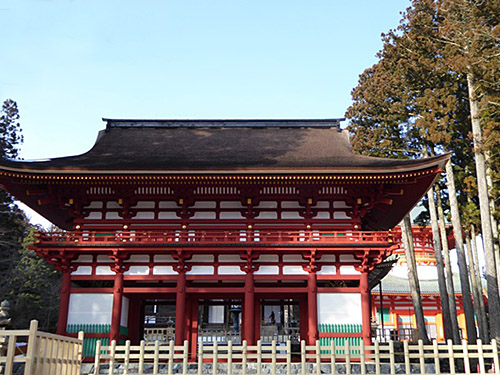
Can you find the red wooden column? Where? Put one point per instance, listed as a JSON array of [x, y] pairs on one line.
[[249, 308], [180, 307], [312, 307], [365, 308], [117, 306], [62, 319]]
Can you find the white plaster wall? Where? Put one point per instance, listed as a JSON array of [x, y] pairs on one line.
[[349, 270], [84, 258], [267, 270], [339, 308], [90, 308], [327, 270], [327, 258], [168, 204], [293, 258], [229, 258], [138, 258], [138, 270], [82, 270], [201, 270], [268, 258], [230, 270], [294, 270], [164, 270], [163, 258], [231, 204], [103, 270]]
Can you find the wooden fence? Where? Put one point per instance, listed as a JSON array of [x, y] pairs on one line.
[[391, 358], [39, 353]]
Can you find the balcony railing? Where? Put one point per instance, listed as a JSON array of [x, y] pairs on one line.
[[214, 237]]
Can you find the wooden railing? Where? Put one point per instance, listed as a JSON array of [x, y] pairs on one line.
[[158, 334], [216, 237], [217, 335], [307, 359], [39, 352]]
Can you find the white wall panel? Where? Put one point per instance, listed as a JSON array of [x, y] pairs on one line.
[[90, 308], [267, 270], [339, 308], [201, 270], [294, 270], [230, 270], [82, 270], [164, 270]]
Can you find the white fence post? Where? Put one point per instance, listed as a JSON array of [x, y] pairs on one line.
[[185, 355], [200, 357], [303, 357], [97, 358]]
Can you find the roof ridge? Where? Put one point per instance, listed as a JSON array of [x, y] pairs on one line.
[[223, 123]]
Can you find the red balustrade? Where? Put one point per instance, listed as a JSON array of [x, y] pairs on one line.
[[212, 237]]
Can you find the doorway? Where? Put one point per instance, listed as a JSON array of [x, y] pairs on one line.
[[279, 321], [219, 320]]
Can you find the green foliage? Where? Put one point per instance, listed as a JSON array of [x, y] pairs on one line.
[[28, 283], [415, 99], [34, 288]]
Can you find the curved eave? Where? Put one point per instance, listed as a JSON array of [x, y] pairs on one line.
[[38, 168]]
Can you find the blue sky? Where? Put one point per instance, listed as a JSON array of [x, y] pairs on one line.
[[68, 63]]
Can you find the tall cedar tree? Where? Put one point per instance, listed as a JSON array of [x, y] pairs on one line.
[[413, 100], [28, 283], [12, 220]]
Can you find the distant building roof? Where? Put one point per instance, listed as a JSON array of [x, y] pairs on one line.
[[396, 285]]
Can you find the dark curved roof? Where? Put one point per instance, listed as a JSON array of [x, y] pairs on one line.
[[189, 146]]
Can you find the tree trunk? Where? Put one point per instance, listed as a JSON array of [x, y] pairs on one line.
[[484, 205], [494, 223], [475, 289], [475, 262], [462, 263], [449, 272], [445, 304], [416, 297]]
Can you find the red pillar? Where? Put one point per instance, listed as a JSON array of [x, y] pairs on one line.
[[180, 308], [62, 319], [365, 308], [312, 308], [249, 312], [117, 307]]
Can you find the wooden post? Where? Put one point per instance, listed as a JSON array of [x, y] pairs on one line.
[[365, 308], [117, 307], [30, 354], [97, 358], [312, 308], [249, 312], [180, 308], [62, 319]]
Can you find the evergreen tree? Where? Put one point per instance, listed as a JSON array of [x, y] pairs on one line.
[[28, 282]]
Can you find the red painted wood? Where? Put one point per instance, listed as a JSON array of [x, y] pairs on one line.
[[312, 309], [249, 309], [197, 237], [194, 329], [180, 308], [62, 319], [117, 307], [365, 308]]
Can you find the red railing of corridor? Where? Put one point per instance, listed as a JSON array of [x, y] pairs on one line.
[[207, 236]]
